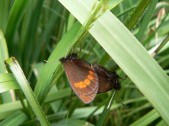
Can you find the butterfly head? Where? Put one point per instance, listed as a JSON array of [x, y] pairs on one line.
[[114, 79], [69, 57]]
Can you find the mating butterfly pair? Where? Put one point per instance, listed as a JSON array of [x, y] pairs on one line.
[[88, 80]]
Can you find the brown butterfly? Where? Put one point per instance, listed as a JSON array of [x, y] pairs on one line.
[[82, 77], [107, 79], [87, 80]]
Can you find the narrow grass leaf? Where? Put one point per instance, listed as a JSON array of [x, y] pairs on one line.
[[16, 13], [137, 13], [12, 106], [146, 19], [16, 105], [162, 123], [113, 3], [4, 12], [4, 86], [147, 119], [58, 95], [73, 122], [46, 75], [24, 85], [15, 119], [3, 52], [7, 82], [106, 110]]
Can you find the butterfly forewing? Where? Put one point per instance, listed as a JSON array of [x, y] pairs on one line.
[[83, 79]]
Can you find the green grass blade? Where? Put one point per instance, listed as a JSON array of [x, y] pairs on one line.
[[3, 52], [45, 80], [24, 85], [113, 3], [58, 95], [16, 105], [161, 123], [4, 86], [30, 28], [73, 122], [15, 119], [15, 16], [7, 82], [106, 110], [4, 12], [146, 119], [146, 19], [12, 106], [137, 13]]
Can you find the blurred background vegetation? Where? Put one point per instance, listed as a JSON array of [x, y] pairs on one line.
[[32, 31]]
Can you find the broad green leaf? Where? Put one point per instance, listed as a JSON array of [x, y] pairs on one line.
[[129, 54]]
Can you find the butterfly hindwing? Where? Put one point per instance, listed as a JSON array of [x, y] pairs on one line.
[[107, 80]]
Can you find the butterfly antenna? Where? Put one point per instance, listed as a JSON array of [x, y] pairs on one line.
[[120, 99], [80, 50], [49, 61], [67, 52], [45, 61], [66, 118], [122, 78]]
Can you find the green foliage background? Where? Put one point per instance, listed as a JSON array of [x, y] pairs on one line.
[[123, 35]]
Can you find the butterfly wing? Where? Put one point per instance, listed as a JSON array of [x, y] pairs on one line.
[[83, 79], [105, 84]]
